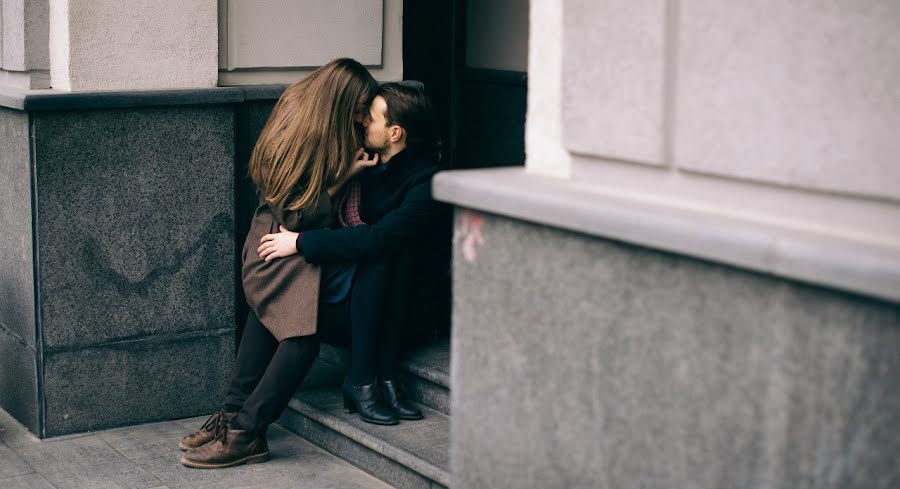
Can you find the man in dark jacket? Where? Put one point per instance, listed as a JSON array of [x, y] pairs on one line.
[[367, 268]]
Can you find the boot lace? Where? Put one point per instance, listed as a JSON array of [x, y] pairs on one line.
[[218, 425]]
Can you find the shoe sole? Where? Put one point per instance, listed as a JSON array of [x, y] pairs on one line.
[[250, 459], [184, 448], [382, 423], [369, 420]]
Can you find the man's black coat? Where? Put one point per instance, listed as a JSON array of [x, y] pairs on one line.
[[403, 221], [400, 214]]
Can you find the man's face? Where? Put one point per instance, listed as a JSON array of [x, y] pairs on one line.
[[377, 130]]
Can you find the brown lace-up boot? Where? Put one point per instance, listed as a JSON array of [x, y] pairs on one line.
[[228, 448], [206, 432]]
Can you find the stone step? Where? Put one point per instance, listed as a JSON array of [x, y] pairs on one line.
[[413, 454], [425, 372]]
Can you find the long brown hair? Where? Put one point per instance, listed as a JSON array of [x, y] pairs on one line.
[[309, 140]]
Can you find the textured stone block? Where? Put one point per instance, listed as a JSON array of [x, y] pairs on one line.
[[136, 222], [579, 362], [133, 382], [18, 380], [613, 78], [800, 93], [17, 270]]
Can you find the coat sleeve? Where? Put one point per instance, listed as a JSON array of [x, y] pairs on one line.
[[396, 232], [317, 215]]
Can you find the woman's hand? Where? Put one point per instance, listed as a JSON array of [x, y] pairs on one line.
[[278, 245], [361, 161]]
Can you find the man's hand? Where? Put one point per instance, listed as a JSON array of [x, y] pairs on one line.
[[278, 245]]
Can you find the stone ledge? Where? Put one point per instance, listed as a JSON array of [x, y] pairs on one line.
[[32, 100], [49, 99], [818, 259]]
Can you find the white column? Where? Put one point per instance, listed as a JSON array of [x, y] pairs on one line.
[[544, 150], [133, 44], [23, 44]]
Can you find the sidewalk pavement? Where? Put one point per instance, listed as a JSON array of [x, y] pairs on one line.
[[146, 457]]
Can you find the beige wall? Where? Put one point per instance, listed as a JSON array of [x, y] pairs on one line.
[[133, 44], [84, 45], [281, 40], [762, 111]]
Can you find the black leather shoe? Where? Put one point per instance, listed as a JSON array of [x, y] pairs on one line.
[[394, 398], [364, 400]]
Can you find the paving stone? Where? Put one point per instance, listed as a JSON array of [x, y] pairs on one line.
[[147, 457], [85, 462], [30, 481], [11, 465], [295, 463]]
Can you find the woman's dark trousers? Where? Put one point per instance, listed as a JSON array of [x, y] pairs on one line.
[[267, 372]]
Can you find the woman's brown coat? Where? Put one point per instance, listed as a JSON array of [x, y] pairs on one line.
[[284, 292]]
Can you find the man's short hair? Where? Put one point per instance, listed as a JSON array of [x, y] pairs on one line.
[[409, 108]]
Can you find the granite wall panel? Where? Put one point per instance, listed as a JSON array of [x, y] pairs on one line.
[[135, 382], [130, 248], [18, 366], [136, 222], [17, 270], [18, 380], [580, 362]]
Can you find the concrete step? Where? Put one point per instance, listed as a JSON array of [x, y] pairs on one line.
[[425, 372], [411, 455]]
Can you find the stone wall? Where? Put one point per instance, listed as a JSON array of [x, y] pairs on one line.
[[133, 275], [19, 349], [583, 362]]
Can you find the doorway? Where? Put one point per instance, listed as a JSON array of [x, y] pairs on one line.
[[472, 57]]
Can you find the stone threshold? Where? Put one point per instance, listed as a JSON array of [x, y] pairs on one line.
[[49, 99], [819, 259]]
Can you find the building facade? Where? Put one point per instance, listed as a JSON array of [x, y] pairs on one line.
[[693, 281]]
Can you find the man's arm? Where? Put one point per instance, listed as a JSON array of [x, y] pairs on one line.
[[396, 232]]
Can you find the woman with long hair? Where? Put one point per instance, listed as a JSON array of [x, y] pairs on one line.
[[308, 149]]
